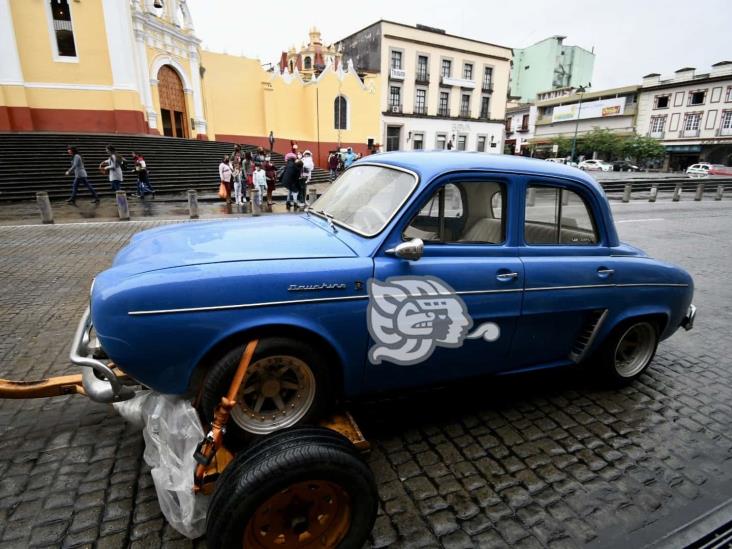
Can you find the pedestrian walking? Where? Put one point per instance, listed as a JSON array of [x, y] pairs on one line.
[[259, 178], [80, 176], [307, 172], [225, 173], [333, 161], [271, 174], [236, 174], [247, 169], [290, 178], [143, 177], [348, 158], [259, 156], [449, 145], [113, 167], [293, 152]]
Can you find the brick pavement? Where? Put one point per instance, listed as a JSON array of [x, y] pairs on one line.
[[548, 460]]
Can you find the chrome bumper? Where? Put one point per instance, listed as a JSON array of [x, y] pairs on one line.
[[688, 322], [100, 382]]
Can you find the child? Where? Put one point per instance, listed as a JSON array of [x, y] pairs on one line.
[[260, 185]]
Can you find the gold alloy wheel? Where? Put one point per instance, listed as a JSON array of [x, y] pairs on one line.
[[308, 514], [277, 393]]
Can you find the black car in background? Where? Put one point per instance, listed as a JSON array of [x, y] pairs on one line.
[[624, 166]]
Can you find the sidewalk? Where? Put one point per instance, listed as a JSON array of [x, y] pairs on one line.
[[169, 206]]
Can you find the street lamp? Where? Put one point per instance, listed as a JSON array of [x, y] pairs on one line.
[[580, 90]]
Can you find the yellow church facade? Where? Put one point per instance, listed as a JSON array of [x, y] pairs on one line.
[[127, 66]]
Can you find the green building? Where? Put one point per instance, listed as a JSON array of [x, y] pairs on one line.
[[547, 65]]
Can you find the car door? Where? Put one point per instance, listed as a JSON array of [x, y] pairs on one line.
[[569, 273], [452, 312]]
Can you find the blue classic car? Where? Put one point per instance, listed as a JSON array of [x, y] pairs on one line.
[[412, 269]]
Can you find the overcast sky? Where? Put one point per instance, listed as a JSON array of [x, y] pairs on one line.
[[630, 37]]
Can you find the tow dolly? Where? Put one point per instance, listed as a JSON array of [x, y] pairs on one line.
[[299, 487]]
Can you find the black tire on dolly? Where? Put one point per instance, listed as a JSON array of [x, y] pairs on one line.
[[294, 488], [628, 351], [287, 384]]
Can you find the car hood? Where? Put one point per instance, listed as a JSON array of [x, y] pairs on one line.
[[244, 239]]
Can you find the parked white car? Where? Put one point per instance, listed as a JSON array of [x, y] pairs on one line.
[[558, 160], [703, 169], [595, 165]]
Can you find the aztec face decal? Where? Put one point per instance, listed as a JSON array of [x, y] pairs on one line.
[[408, 317]]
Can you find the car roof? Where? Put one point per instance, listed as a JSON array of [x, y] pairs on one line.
[[430, 164]]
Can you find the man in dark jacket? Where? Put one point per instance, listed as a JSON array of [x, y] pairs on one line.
[[291, 180]]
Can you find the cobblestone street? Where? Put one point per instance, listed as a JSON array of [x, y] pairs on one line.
[[542, 460]]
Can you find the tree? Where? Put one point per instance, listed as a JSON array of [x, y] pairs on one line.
[[603, 142], [564, 145], [642, 149]]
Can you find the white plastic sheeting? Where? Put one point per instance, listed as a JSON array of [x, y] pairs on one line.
[[172, 430]]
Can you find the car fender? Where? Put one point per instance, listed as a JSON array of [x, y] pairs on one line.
[[621, 316], [287, 324]]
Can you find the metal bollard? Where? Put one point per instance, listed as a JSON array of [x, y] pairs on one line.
[[44, 205], [122, 207], [720, 192], [654, 193], [531, 197], [193, 204], [256, 208], [626, 192], [677, 192], [699, 192]]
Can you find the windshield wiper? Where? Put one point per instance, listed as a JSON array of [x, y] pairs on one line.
[[329, 218]]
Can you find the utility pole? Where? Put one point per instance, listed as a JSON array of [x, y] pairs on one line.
[[580, 90]]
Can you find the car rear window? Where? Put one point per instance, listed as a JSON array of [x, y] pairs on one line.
[[557, 216]]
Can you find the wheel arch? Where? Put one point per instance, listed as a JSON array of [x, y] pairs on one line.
[[240, 335], [659, 316]]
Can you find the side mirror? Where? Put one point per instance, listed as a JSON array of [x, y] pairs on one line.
[[411, 250]]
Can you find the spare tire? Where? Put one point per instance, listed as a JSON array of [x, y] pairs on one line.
[[292, 488]]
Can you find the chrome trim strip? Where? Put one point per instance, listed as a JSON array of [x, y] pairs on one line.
[[357, 297], [501, 291], [247, 305], [542, 288], [667, 284]]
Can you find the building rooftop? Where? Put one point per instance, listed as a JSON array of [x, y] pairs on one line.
[[425, 28], [573, 98]]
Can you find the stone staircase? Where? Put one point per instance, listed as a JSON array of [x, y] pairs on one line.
[[32, 162]]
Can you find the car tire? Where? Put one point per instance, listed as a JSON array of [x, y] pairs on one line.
[[291, 484], [628, 351], [287, 384]]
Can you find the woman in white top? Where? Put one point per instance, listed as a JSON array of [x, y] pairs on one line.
[[225, 173]]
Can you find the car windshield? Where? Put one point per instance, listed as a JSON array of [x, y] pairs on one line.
[[365, 198]]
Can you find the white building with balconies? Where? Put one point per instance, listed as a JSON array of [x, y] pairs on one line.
[[437, 90], [690, 113]]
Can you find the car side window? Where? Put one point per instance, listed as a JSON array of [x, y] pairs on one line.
[[469, 212], [557, 216]]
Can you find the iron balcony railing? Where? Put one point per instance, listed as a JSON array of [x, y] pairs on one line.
[[422, 76]]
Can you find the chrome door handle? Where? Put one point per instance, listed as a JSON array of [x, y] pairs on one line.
[[506, 277], [605, 272]]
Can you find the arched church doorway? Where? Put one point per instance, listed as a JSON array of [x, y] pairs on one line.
[[172, 103]]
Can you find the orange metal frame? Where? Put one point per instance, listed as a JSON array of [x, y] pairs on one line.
[[219, 456]]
